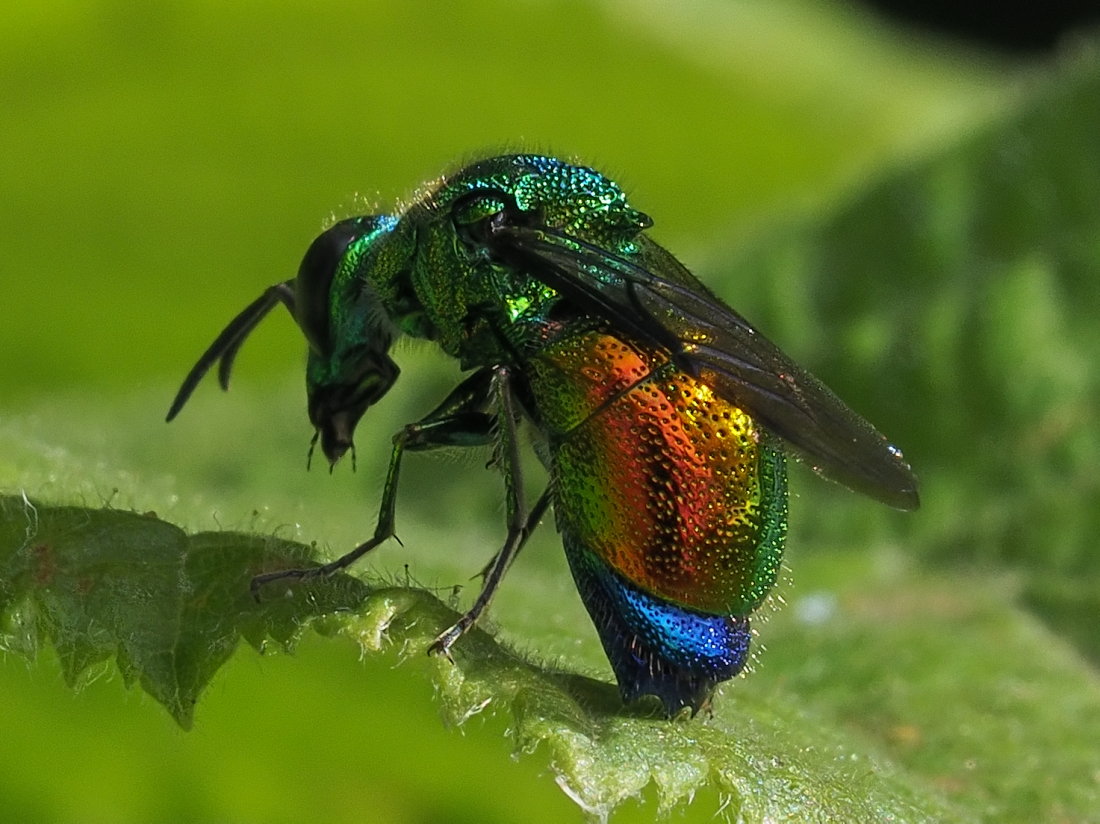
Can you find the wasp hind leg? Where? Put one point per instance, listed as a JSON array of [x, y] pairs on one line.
[[520, 522]]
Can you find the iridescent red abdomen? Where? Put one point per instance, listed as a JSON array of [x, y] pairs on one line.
[[669, 488]]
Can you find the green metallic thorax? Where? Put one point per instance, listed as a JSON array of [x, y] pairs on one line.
[[478, 311]]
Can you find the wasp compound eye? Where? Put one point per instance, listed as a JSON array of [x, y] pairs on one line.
[[313, 286]]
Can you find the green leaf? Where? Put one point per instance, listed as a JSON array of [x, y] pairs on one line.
[[171, 609]]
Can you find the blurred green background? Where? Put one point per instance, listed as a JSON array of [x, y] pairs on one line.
[[836, 180]]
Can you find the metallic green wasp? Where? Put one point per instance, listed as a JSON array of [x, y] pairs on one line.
[[663, 418]]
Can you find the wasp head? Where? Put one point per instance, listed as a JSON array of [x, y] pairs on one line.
[[348, 329]]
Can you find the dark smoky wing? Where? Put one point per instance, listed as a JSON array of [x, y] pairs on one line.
[[563, 269], [662, 303]]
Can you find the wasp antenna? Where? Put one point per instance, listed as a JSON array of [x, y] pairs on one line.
[[280, 292], [312, 446], [228, 343]]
